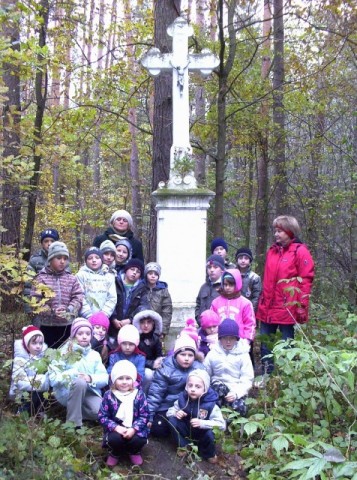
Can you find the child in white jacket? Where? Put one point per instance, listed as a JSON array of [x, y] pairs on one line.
[[97, 284], [78, 377], [230, 367], [25, 378]]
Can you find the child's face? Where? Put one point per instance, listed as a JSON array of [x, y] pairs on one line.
[[83, 336], [127, 348], [228, 287], [94, 262], [243, 262], [59, 263], [222, 252], [121, 225], [147, 325], [124, 383], [195, 387], [46, 242], [185, 359], [35, 345], [108, 258], [211, 330], [228, 342], [122, 253], [132, 274], [152, 277], [99, 330], [214, 272]]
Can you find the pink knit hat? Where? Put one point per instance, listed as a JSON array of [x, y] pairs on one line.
[[209, 318], [101, 319], [129, 333], [190, 329], [29, 332]]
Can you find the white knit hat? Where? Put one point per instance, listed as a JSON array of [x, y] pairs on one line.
[[122, 214], [184, 342], [129, 333], [203, 375], [123, 367]]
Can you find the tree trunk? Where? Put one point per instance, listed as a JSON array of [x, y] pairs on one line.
[[41, 97], [11, 203], [165, 13], [352, 284], [263, 157], [281, 182]]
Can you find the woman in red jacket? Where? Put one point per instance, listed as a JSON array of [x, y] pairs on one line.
[[288, 276]]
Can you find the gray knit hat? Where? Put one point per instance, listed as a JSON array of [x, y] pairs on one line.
[[107, 246], [152, 267], [57, 248]]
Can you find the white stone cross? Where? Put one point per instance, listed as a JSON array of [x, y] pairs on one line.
[[180, 62]]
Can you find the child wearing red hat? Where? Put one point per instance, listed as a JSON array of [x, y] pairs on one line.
[[25, 377]]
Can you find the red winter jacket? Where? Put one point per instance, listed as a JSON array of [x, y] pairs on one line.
[[288, 276]]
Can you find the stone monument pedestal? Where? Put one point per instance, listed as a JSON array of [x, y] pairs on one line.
[[181, 245]]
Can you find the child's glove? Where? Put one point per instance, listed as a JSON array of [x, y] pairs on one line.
[[301, 315]]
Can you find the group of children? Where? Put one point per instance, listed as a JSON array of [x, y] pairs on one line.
[[108, 322]]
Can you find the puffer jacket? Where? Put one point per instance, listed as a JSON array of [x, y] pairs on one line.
[[99, 291], [237, 308], [160, 301], [68, 293], [231, 367], [111, 234], [251, 287], [109, 408], [24, 376], [62, 372], [288, 277], [38, 261], [167, 383]]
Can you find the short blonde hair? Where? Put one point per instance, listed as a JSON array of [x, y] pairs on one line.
[[287, 223]]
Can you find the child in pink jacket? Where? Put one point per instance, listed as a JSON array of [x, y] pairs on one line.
[[231, 304]]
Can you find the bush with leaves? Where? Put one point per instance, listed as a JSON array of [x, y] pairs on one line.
[[303, 423]]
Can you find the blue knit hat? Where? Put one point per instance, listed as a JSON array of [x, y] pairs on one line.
[[217, 260], [228, 328], [91, 250], [49, 233], [219, 242]]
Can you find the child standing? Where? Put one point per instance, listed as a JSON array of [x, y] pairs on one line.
[[77, 383], [39, 259], [209, 290], [123, 254], [149, 325], [208, 332], [124, 415], [131, 296], [231, 304], [169, 381], [230, 368], [251, 282], [194, 414], [59, 310], [99, 340], [24, 374], [128, 341], [98, 285], [220, 247], [158, 294], [109, 255]]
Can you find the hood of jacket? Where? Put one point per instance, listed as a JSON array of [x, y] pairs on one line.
[[101, 271], [235, 273], [240, 348]]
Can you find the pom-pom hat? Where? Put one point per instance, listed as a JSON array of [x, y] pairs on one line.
[[56, 249], [190, 329], [29, 332], [99, 318], [129, 333], [123, 367], [228, 328], [183, 343], [79, 323], [209, 318]]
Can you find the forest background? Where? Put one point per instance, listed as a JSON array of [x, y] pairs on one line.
[[86, 131]]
